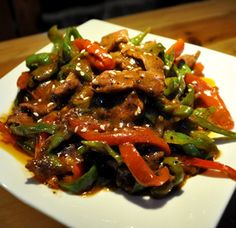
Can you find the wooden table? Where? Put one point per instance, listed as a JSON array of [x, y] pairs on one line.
[[208, 23]]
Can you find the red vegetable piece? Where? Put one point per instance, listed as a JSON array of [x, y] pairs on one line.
[[40, 141], [98, 57], [139, 169], [177, 48], [6, 135], [209, 97], [22, 81], [201, 163], [134, 135]]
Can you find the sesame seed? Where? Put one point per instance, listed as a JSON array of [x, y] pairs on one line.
[[35, 114], [82, 73], [77, 68], [102, 126], [50, 104], [132, 61], [84, 129], [76, 129], [138, 111], [97, 51]]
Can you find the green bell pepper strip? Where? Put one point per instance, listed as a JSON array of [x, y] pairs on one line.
[[69, 50], [138, 39], [178, 172], [54, 34], [44, 72], [192, 150], [199, 117], [189, 98], [82, 184], [103, 147], [178, 110], [181, 72], [28, 130], [175, 168], [161, 191], [56, 37], [169, 61], [36, 60], [79, 66], [172, 85], [82, 149], [154, 48], [183, 111], [71, 32], [27, 144], [200, 141], [62, 45], [55, 140]]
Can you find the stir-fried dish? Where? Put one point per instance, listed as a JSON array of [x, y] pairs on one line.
[[120, 113]]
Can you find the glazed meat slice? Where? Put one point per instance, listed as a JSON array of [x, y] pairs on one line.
[[38, 108], [190, 60], [19, 117], [124, 62], [48, 166], [71, 83], [126, 112], [115, 81], [111, 41], [150, 62]]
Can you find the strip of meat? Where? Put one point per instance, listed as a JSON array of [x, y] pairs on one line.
[[126, 112], [70, 84], [114, 81], [19, 117], [110, 41], [151, 62], [39, 109]]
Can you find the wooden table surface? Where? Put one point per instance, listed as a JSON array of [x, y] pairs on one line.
[[211, 24]]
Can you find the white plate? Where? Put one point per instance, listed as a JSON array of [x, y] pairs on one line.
[[201, 201]]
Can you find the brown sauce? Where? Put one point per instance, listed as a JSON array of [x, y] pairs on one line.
[[16, 153]]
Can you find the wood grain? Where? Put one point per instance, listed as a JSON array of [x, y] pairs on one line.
[[208, 23]]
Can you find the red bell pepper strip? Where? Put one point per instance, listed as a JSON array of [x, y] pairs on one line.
[[209, 97], [139, 169], [22, 81], [6, 135], [98, 57], [198, 69], [134, 135], [40, 141], [207, 164], [177, 48], [77, 170]]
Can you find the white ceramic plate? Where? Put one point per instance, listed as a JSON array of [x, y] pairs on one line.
[[201, 201]]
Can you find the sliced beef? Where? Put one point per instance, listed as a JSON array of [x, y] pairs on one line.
[[125, 62], [111, 41], [51, 165], [114, 81], [190, 60], [38, 108], [69, 85], [150, 62], [19, 117], [126, 112]]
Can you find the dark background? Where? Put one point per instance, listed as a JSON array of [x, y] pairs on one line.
[[25, 17]]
